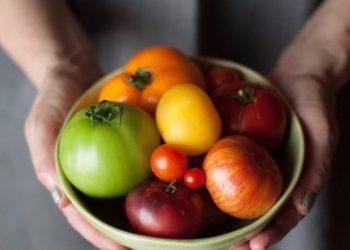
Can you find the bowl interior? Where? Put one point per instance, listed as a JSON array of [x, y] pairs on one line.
[[108, 214]]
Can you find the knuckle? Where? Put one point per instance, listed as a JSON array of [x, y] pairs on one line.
[[41, 125], [322, 127], [323, 174], [324, 131], [41, 177]]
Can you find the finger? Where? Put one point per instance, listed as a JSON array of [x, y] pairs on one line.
[[320, 149], [277, 229], [314, 103], [42, 127], [245, 246], [321, 132], [80, 224]]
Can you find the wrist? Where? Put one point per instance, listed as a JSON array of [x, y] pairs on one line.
[[322, 48], [79, 69]]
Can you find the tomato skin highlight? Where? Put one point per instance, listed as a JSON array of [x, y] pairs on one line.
[[106, 161], [168, 163], [194, 178]]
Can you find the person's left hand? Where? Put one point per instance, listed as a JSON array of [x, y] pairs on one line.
[[314, 103], [309, 72]]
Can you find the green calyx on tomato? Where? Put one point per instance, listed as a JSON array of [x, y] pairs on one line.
[[171, 188], [110, 157], [141, 79], [105, 111], [245, 95]]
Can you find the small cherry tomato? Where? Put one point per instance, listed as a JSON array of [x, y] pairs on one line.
[[221, 76], [168, 163], [194, 178]]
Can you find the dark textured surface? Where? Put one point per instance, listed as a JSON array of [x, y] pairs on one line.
[[248, 31], [340, 188]]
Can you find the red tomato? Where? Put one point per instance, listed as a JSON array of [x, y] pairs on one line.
[[241, 177], [248, 109], [168, 163], [221, 76], [194, 178], [168, 211]]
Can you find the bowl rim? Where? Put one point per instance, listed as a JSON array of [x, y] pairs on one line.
[[260, 222]]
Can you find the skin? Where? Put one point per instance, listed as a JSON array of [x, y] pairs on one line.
[[312, 68]]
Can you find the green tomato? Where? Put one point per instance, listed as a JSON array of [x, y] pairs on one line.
[[105, 150]]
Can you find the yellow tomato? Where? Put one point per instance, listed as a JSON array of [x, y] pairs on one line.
[[187, 119]]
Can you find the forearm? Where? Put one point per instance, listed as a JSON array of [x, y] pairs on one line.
[[42, 36], [322, 47]]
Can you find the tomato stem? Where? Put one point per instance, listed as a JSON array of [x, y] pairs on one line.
[[244, 95], [105, 111], [171, 188], [141, 79]]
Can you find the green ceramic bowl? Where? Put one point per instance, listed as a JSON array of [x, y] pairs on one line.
[[108, 215]]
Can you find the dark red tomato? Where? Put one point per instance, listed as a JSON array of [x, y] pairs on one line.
[[251, 110], [168, 163], [221, 76], [194, 178], [154, 209]]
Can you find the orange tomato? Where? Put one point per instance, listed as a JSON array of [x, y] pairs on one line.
[[149, 74], [241, 177], [118, 89]]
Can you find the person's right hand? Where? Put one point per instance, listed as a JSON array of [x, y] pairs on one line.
[[54, 99]]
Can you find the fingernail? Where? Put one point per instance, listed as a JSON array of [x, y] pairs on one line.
[[308, 201], [56, 195]]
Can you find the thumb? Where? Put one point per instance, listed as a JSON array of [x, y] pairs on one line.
[[314, 103], [321, 135], [41, 130]]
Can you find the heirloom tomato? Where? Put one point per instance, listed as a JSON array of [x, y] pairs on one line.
[[187, 119], [105, 149], [251, 110], [241, 177], [149, 74]]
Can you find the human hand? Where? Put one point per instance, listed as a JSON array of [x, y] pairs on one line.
[[62, 87], [314, 104], [309, 72]]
